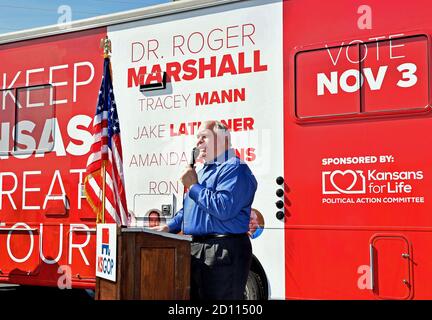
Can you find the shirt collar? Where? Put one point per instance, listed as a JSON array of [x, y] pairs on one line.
[[225, 156]]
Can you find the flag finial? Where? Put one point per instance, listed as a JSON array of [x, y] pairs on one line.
[[105, 43]]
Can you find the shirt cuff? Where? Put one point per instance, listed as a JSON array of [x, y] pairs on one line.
[[171, 225], [195, 190]]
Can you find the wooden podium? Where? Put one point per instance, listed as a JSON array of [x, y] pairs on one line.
[[151, 265]]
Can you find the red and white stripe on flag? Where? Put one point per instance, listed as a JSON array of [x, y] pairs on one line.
[[106, 151]]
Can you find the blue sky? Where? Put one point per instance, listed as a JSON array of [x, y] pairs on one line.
[[24, 14]]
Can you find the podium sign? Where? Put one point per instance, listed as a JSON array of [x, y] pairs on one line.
[[151, 265], [106, 251]]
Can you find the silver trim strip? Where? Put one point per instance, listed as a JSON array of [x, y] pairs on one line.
[[112, 19], [84, 230], [18, 229]]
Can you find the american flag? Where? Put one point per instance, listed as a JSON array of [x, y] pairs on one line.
[[106, 149]]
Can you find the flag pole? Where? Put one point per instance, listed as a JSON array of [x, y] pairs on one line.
[[103, 189], [106, 45]]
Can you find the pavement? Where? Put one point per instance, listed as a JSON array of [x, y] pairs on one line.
[[16, 292]]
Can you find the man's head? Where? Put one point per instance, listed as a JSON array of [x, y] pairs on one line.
[[253, 222], [154, 219], [213, 139]]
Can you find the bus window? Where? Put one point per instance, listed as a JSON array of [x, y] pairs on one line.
[[363, 78], [35, 120], [7, 120], [327, 82], [396, 74]]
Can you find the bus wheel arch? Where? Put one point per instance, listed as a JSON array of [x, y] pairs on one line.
[[257, 284]]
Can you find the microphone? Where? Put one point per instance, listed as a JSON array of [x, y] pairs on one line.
[[194, 156]]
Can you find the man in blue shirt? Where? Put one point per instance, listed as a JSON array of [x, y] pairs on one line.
[[216, 212]]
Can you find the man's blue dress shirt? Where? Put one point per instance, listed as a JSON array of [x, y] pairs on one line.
[[220, 203]]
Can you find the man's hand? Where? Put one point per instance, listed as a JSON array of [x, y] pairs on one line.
[[163, 228], [189, 177]]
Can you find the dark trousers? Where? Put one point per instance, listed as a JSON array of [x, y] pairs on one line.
[[220, 268]]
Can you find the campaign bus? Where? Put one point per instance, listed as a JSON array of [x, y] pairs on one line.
[[327, 103]]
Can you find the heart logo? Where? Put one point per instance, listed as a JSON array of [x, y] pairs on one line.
[[343, 181]]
